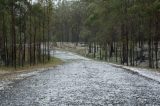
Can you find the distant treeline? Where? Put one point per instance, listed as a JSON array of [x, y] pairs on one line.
[[125, 31]]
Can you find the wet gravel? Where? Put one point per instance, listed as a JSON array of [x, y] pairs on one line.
[[82, 82]]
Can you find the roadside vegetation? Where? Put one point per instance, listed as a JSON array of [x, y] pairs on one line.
[[7, 71], [25, 30], [121, 31]]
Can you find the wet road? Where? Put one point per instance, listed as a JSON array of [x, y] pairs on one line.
[[82, 82]]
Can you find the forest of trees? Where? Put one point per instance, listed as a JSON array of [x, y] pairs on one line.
[[25, 30], [122, 31]]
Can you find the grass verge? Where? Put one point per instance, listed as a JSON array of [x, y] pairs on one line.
[[7, 71]]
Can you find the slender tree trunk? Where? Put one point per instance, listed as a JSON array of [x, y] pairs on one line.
[[14, 56], [24, 43], [116, 52], [34, 40], [43, 36], [30, 37], [48, 39], [100, 53], [20, 38], [156, 41]]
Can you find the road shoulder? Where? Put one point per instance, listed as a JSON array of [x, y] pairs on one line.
[[9, 75]]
